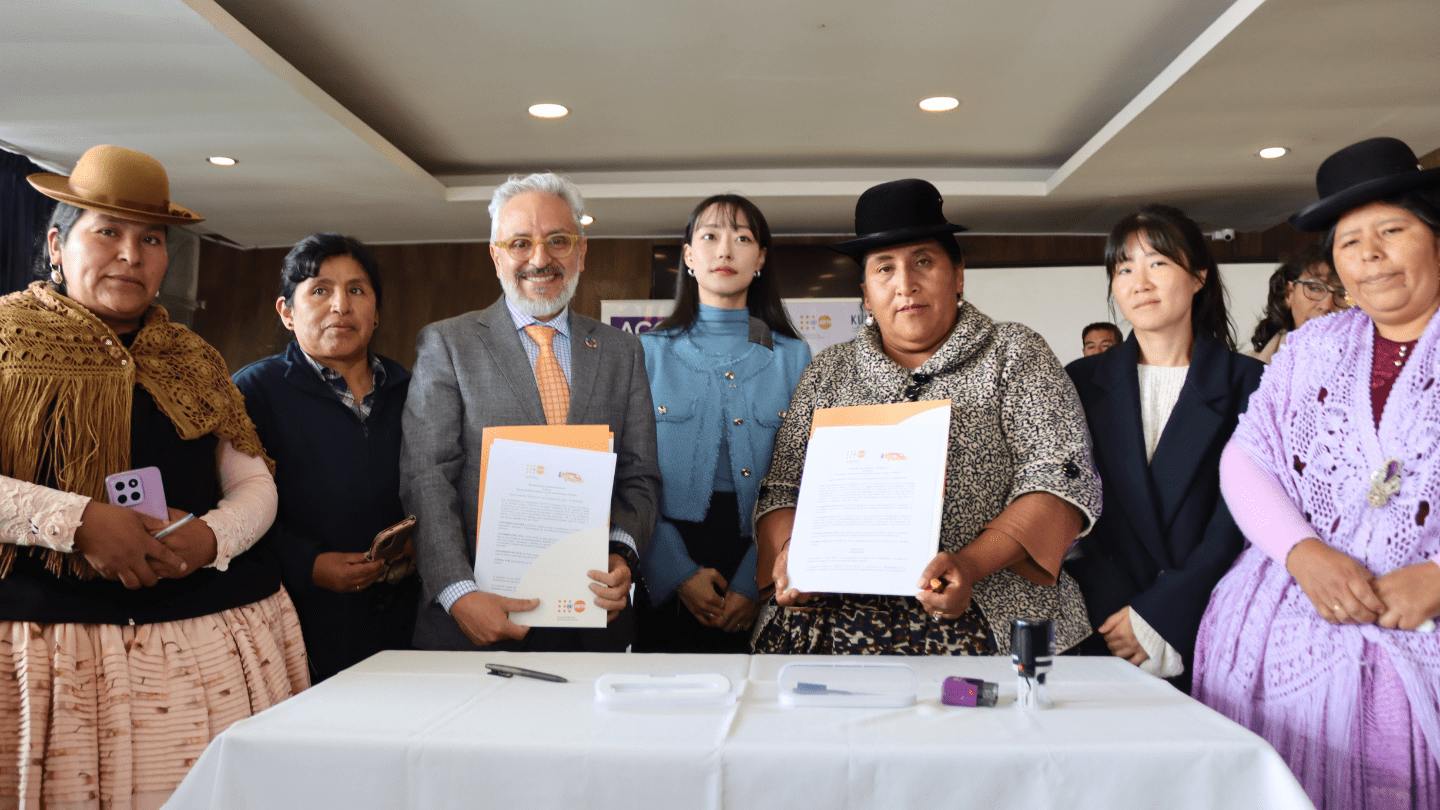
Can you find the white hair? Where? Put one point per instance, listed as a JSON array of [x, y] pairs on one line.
[[546, 182]]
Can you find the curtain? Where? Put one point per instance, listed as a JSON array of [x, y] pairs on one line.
[[23, 212]]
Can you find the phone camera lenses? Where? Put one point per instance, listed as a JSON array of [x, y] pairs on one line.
[[134, 483], [122, 499], [119, 486]]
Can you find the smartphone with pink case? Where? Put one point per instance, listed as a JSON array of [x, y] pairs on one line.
[[141, 490]]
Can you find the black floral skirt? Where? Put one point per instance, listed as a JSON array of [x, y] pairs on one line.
[[849, 624]]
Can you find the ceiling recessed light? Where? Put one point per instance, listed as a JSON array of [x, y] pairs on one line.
[[548, 111], [1272, 152], [587, 219], [939, 104], [222, 161]]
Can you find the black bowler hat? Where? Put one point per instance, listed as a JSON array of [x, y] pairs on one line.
[[1362, 173], [895, 213]]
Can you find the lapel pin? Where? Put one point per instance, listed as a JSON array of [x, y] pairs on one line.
[[591, 343]]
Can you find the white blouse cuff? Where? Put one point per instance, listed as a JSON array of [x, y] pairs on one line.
[[35, 515], [1164, 661], [247, 507]]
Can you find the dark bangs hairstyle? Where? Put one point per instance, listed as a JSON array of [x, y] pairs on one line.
[[1277, 315], [763, 297], [1177, 237], [303, 262]]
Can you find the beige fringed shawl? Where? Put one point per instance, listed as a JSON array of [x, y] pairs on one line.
[[66, 384]]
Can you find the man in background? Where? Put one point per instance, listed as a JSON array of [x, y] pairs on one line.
[[1097, 337]]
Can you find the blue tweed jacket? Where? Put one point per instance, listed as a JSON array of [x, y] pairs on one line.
[[695, 397]]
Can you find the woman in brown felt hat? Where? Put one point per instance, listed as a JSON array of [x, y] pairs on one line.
[[122, 653], [1321, 637]]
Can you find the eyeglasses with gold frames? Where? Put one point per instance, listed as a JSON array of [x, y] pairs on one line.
[[557, 245], [1316, 291]]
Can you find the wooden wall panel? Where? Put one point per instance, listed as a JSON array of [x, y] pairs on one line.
[[423, 283], [428, 282]]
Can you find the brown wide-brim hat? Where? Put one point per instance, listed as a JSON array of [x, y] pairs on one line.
[[117, 181], [895, 213], [1359, 174]]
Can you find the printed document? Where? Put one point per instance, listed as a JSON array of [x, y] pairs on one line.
[[544, 524], [868, 517]]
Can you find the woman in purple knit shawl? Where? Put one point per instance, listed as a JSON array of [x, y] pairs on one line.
[[1321, 637]]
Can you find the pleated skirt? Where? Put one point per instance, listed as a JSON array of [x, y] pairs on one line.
[[110, 716]]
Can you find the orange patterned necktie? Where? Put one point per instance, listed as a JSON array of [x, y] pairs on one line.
[[554, 391]]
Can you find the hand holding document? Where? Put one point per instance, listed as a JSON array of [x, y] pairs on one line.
[[544, 521], [868, 518]]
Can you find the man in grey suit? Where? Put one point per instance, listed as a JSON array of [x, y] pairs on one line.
[[516, 363]]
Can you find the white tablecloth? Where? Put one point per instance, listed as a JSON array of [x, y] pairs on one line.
[[433, 730]]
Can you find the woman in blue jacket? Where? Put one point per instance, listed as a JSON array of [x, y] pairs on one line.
[[722, 368], [328, 411]]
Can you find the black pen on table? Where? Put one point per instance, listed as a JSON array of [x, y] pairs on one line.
[[506, 671]]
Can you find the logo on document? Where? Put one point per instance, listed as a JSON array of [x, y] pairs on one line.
[[568, 606], [893, 456], [573, 478], [534, 469], [854, 455], [824, 321]]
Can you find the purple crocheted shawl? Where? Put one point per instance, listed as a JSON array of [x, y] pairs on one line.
[[1263, 656]]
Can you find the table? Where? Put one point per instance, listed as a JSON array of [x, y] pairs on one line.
[[433, 730]]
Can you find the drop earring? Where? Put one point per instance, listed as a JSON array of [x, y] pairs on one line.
[[690, 271], [56, 277], [869, 318]]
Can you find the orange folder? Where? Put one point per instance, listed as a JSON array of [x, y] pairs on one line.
[[890, 414], [581, 437]]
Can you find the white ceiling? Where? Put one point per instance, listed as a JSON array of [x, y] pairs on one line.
[[393, 121]]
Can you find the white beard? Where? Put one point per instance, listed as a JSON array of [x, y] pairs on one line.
[[543, 307]]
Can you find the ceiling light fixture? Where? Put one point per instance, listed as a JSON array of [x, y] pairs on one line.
[[223, 161], [548, 111], [1272, 152], [587, 220], [939, 104]]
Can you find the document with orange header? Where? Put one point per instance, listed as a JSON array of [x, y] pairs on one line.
[[868, 517], [544, 524]]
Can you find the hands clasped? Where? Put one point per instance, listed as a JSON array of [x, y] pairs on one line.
[[708, 598], [1345, 592], [120, 543]]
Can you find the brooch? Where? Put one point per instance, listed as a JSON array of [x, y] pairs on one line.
[[591, 343], [1384, 482]]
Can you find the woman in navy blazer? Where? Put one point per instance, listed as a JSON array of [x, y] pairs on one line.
[[328, 411], [1161, 407], [722, 368]]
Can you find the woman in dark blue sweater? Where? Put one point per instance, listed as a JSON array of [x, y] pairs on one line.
[[328, 412]]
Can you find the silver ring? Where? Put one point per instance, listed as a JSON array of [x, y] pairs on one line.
[[937, 616], [1337, 609]]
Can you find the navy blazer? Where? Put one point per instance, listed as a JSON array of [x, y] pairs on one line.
[[1165, 536], [339, 483]]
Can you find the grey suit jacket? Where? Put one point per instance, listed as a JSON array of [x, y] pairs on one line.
[[472, 373]]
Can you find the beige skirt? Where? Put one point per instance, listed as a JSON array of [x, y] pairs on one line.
[[108, 716]]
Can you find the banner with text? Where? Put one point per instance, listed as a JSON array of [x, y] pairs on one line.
[[821, 322]]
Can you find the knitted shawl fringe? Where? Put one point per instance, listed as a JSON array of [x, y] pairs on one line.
[[65, 398]]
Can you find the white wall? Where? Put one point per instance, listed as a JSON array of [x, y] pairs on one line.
[[1058, 302]]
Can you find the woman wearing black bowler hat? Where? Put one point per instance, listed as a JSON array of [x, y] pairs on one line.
[[1020, 484], [1321, 637]]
